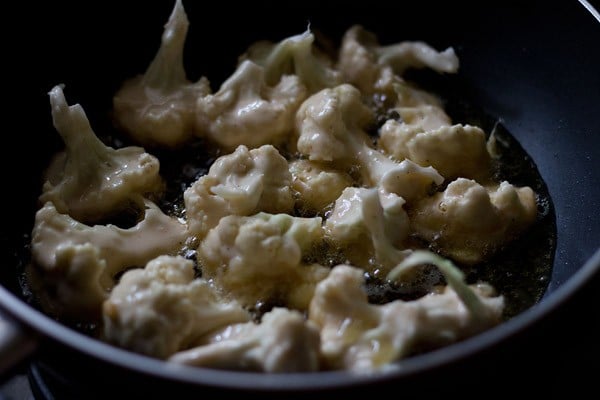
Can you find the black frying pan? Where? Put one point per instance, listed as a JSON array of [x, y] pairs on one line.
[[533, 66]]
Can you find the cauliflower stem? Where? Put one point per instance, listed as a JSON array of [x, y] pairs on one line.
[[294, 55], [453, 275]]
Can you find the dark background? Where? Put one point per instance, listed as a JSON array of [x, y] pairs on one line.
[[551, 52]]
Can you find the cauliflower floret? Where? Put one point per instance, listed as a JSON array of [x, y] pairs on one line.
[[77, 263], [410, 102], [162, 308], [417, 111], [258, 260], [413, 120], [90, 180], [246, 111], [283, 342], [469, 222], [294, 55], [374, 68], [362, 337], [159, 107], [317, 185], [454, 151], [241, 183], [73, 288], [330, 124], [367, 222]]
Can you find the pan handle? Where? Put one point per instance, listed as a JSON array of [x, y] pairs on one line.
[[17, 343]]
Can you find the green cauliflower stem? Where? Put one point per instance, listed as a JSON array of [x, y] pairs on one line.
[[90, 180], [453, 275], [331, 129], [294, 55], [158, 107], [363, 337]]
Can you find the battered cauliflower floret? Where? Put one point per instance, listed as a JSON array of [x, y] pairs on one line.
[[412, 120], [469, 222], [75, 264], [283, 342], [454, 151], [362, 337], [330, 126], [417, 111], [317, 185], [374, 68], [73, 288], [241, 183], [162, 308], [331, 129], [247, 111], [294, 55], [258, 259], [90, 180], [369, 225], [159, 107]]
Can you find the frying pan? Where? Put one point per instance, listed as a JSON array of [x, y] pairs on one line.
[[535, 66]]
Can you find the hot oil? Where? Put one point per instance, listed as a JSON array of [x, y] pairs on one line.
[[521, 271]]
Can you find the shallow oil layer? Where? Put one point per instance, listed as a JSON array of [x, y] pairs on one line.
[[521, 271]]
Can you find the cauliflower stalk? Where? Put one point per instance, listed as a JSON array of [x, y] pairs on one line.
[[374, 68], [369, 225], [283, 342], [76, 264], [90, 180], [330, 125], [363, 337], [158, 108], [294, 55], [162, 308], [241, 183], [258, 259]]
